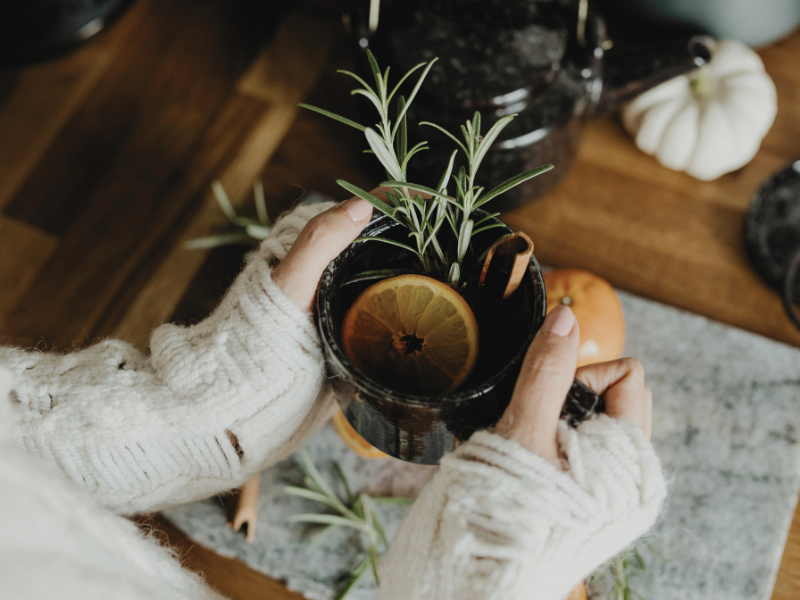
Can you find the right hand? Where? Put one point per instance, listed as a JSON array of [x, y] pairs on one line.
[[546, 377]]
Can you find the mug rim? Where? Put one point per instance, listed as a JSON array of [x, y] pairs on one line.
[[324, 318]]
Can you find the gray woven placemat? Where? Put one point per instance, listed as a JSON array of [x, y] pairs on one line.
[[726, 425]]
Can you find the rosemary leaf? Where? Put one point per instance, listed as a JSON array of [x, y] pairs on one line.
[[394, 200], [469, 139], [372, 98], [387, 158], [418, 148], [486, 228], [329, 520], [442, 187], [454, 275], [451, 221], [354, 577], [447, 133], [418, 188], [476, 124], [402, 138], [376, 274], [311, 484], [641, 564], [261, 204], [486, 218], [257, 231], [489, 139], [464, 236], [215, 241], [386, 78], [327, 113], [376, 73], [375, 201], [386, 241], [373, 562], [358, 79], [462, 177], [403, 78], [512, 182], [309, 495], [416, 88], [321, 484], [223, 201]]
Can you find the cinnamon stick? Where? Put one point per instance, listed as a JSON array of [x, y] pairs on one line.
[[245, 508], [506, 263]]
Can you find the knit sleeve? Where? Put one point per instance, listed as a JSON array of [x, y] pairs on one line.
[[499, 522], [209, 407]]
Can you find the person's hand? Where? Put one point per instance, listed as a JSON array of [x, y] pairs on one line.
[[322, 239], [546, 376]]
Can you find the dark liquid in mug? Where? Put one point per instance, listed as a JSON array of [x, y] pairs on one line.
[[503, 325]]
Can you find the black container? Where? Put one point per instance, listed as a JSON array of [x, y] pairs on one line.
[[32, 30], [421, 429], [772, 235], [546, 61]]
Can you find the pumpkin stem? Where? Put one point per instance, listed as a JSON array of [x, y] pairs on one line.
[[700, 84]]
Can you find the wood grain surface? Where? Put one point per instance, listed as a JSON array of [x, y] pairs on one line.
[[107, 154]]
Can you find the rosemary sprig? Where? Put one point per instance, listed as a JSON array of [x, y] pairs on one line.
[[621, 568], [245, 230], [355, 512], [424, 217], [389, 143]]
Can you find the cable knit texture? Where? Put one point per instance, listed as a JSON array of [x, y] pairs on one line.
[[212, 405], [216, 402], [58, 542], [499, 522]]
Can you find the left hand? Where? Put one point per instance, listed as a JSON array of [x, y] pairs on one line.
[[322, 239], [545, 379]]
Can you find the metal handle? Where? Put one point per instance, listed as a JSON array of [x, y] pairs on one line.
[[582, 403]]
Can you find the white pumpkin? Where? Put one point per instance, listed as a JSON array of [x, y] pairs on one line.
[[711, 121]]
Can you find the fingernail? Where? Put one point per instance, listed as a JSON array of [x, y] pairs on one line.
[[357, 208], [560, 321]]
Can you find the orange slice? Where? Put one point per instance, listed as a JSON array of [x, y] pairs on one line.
[[413, 334], [352, 440]]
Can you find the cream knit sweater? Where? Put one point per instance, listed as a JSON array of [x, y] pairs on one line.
[[109, 430]]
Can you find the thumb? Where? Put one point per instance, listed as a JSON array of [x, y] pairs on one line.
[[322, 239], [544, 381]]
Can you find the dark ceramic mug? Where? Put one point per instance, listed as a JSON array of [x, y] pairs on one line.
[[421, 429]]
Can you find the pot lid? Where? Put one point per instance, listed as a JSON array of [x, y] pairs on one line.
[[491, 53], [772, 235]]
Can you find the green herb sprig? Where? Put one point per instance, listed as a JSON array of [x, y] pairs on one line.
[[622, 568], [354, 512], [390, 145], [245, 229], [424, 217]]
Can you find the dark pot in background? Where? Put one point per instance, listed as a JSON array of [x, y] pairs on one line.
[[547, 61], [32, 30], [414, 428]]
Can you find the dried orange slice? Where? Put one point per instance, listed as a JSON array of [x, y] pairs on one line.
[[352, 440], [413, 334]]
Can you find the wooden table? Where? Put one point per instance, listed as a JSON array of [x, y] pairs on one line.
[[106, 157]]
